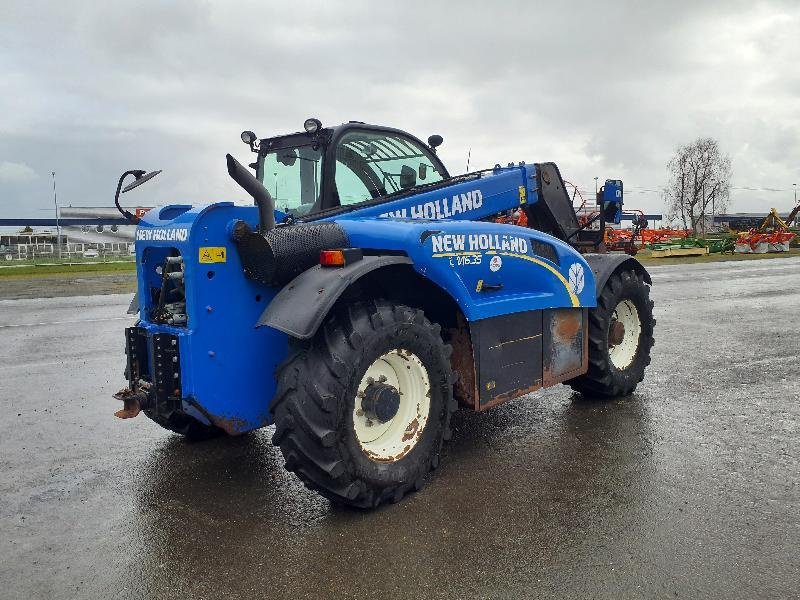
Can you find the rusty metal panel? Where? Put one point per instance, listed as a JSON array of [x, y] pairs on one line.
[[508, 356], [462, 360], [564, 344]]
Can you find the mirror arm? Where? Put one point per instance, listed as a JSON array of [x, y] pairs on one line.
[[125, 213]]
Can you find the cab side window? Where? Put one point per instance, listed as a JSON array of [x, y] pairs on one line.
[[370, 165]]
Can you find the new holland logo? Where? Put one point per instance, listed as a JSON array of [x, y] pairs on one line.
[[173, 234], [440, 209], [576, 278], [478, 242]]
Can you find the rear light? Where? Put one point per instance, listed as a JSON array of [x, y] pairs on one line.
[[331, 258], [340, 257]]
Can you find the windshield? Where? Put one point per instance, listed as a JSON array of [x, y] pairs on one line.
[[292, 175], [372, 164]]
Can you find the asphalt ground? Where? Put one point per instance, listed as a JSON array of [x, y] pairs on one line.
[[60, 285], [686, 489]]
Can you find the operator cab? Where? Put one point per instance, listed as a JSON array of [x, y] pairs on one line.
[[323, 170]]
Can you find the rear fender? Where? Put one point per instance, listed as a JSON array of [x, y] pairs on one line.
[[300, 307]]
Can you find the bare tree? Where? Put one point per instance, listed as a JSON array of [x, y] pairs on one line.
[[699, 182]]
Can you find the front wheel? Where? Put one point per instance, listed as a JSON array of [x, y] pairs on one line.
[[361, 410], [620, 337]]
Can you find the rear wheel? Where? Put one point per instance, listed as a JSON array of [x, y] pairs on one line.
[[620, 337], [362, 409]]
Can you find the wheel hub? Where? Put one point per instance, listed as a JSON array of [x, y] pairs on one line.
[[616, 333], [381, 402], [392, 405]]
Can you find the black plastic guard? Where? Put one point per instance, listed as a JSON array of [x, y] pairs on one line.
[[300, 307]]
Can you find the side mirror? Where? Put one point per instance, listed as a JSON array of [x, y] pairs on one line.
[[140, 178], [423, 171], [408, 177], [435, 141]]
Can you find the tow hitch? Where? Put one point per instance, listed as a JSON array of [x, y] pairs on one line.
[[132, 403], [153, 371]]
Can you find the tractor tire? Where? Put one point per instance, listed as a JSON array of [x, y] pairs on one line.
[[362, 409], [620, 338]]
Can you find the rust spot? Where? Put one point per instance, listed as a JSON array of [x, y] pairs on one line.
[[616, 333], [500, 398], [566, 325], [565, 350], [463, 364], [231, 426], [131, 406], [388, 459], [411, 430]]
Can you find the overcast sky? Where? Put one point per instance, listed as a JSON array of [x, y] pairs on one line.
[[606, 89]]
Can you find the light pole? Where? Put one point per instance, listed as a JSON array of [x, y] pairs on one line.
[[58, 224], [794, 185], [595, 186]]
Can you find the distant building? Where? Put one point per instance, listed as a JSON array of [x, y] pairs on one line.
[[87, 240], [740, 221], [97, 234]]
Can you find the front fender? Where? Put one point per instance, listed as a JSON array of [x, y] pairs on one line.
[[300, 307], [604, 265]]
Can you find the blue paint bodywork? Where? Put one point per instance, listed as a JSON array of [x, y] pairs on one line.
[[227, 363]]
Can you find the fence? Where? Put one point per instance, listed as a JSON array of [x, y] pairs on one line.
[[69, 252]]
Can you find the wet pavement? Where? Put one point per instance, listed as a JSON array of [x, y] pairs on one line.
[[689, 488]]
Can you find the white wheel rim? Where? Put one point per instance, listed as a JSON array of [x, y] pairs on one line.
[[392, 440], [622, 354]]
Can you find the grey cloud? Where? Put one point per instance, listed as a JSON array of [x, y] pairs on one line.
[[604, 89]]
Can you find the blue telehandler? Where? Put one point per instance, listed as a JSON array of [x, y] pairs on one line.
[[365, 296]]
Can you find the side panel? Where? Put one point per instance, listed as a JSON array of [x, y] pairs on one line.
[[490, 269], [565, 346], [226, 364], [508, 356], [519, 353]]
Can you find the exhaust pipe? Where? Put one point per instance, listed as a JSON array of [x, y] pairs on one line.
[[263, 199]]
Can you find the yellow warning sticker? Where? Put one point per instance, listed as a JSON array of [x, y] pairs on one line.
[[213, 254]]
